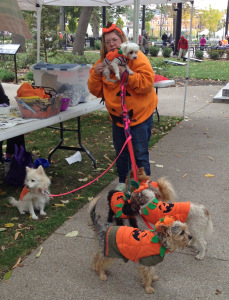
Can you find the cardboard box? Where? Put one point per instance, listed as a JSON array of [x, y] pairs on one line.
[[70, 80]]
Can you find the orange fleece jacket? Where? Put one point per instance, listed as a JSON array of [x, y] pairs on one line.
[[157, 210], [117, 202], [135, 244], [142, 100]]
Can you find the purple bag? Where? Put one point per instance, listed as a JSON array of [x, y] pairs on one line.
[[17, 172]]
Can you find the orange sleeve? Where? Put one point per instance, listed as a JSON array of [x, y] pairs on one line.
[[143, 78], [95, 83]]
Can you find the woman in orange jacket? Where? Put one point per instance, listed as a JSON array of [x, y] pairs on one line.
[[141, 101]]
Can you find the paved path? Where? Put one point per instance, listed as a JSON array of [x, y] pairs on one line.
[[197, 146]]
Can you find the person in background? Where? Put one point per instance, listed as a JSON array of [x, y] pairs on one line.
[[164, 39], [182, 47], [141, 101], [10, 144], [202, 42], [170, 39], [145, 42]]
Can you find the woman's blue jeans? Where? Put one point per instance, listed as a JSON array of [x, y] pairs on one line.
[[140, 139]]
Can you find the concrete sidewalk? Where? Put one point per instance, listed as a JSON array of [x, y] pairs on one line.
[[197, 146]]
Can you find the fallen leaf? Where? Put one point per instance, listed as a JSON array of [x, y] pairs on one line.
[[159, 166], [2, 229], [58, 205], [83, 179], [105, 156], [8, 275], [89, 176], [64, 201], [9, 225], [98, 169], [218, 292], [81, 173], [184, 175], [90, 198], [209, 175], [72, 234], [17, 263], [210, 157], [152, 161], [39, 252], [3, 248], [16, 235]]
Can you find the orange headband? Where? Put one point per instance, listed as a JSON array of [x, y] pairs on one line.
[[111, 28]]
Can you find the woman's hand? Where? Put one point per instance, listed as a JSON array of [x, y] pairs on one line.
[[99, 68]]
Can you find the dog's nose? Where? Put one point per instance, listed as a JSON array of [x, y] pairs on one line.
[[190, 237]]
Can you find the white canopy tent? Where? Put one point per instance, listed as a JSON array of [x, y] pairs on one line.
[[36, 5]]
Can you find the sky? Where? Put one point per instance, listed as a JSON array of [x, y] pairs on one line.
[[216, 4]]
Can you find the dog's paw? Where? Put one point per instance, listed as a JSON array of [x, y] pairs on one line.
[[103, 276], [117, 76], [200, 256], [131, 72], [34, 217], [43, 213], [149, 290], [155, 277], [22, 212]]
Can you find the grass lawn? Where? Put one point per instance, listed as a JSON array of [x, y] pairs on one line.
[[208, 69], [26, 234]]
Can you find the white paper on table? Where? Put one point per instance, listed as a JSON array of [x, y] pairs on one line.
[[74, 158]]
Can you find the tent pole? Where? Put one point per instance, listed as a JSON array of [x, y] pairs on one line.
[[136, 21], [39, 8], [187, 71]]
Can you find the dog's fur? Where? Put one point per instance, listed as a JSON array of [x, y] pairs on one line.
[[172, 237], [164, 192], [37, 182], [199, 220], [129, 50]]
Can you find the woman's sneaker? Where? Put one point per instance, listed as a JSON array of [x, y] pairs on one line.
[[120, 187]]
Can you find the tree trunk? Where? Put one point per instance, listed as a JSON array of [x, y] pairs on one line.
[[62, 18], [19, 39], [81, 30], [95, 22]]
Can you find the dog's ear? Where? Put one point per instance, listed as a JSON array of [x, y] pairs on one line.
[[164, 229], [27, 169], [124, 48], [40, 169]]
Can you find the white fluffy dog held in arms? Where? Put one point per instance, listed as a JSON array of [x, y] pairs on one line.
[[120, 57], [35, 194]]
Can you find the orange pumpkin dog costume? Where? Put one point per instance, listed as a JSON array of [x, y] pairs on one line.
[[133, 244], [156, 210]]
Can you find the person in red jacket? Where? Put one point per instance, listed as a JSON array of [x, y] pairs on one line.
[[182, 47]]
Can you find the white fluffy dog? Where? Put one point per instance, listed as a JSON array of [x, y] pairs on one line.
[[196, 216], [35, 194], [120, 57]]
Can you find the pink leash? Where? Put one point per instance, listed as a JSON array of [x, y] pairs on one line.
[[126, 122], [127, 140]]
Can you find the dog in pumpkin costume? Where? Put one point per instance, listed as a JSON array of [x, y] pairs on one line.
[[35, 194], [120, 57], [196, 216], [146, 247], [120, 206]]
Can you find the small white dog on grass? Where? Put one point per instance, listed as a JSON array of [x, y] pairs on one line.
[[120, 57], [35, 194]]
